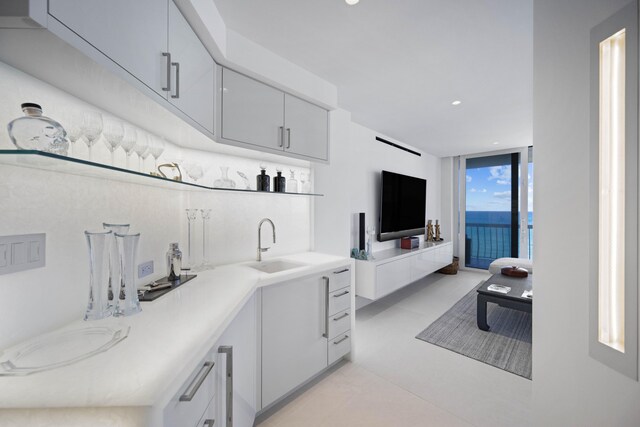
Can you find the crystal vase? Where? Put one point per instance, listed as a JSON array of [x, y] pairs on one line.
[[115, 278], [99, 245], [128, 251]]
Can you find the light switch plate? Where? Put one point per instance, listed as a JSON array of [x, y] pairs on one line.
[[22, 252]]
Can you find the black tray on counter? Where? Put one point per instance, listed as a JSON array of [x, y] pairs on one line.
[[154, 295]]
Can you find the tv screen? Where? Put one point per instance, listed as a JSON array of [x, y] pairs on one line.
[[402, 206]]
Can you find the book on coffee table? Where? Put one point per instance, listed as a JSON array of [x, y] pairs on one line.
[[498, 288], [528, 294]]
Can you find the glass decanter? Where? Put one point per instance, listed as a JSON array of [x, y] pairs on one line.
[[224, 181], [37, 132], [292, 184]]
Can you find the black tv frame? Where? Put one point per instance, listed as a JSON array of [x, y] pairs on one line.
[[384, 237]]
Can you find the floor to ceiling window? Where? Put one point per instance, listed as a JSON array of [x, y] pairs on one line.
[[496, 207]]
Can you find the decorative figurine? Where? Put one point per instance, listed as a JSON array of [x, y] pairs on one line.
[[429, 231], [438, 231]]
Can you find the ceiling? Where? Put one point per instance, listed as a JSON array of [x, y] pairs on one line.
[[398, 65]]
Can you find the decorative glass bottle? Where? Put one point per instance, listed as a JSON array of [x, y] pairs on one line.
[[128, 251], [174, 262], [262, 180], [224, 181], [279, 182], [98, 244], [115, 278], [37, 132], [292, 184]]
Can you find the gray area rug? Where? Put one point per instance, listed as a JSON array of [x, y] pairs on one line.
[[506, 346]]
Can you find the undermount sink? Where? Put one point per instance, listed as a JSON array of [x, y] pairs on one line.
[[275, 266]]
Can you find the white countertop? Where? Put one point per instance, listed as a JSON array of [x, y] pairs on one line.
[[170, 335]]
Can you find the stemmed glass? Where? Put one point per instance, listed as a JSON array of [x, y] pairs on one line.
[[194, 170], [91, 129], [72, 123], [156, 149], [113, 134], [191, 217], [142, 148], [128, 141], [205, 265]]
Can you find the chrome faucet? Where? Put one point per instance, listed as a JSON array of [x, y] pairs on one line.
[[260, 248]]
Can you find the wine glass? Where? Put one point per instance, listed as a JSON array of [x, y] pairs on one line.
[[129, 140], [113, 134], [194, 170], [156, 149], [142, 148], [91, 129], [72, 123]]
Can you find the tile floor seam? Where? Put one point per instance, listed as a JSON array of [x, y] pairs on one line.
[[418, 396]]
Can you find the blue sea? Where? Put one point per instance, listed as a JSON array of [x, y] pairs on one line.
[[488, 236]]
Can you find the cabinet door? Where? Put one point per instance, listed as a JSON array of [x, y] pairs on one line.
[[252, 112], [307, 128], [293, 348], [392, 276], [241, 337], [131, 33], [192, 75]]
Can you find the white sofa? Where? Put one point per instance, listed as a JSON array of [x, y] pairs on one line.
[[496, 266]]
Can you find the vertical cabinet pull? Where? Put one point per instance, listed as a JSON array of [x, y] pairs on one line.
[[288, 138], [326, 307], [197, 382], [177, 65], [228, 351], [281, 143], [168, 87]]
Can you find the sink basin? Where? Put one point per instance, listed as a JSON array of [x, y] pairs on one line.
[[275, 266]]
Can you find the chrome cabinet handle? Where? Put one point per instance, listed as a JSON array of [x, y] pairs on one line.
[[168, 88], [208, 423], [228, 350], [288, 138], [177, 65], [341, 339], [281, 143], [341, 295], [197, 382], [326, 307], [341, 271], [341, 317]]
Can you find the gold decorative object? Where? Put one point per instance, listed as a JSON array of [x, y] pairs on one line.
[[429, 231], [174, 167]]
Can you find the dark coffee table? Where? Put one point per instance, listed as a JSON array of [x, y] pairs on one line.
[[513, 299]]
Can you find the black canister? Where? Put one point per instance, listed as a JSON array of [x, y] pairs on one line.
[[279, 183], [262, 181]]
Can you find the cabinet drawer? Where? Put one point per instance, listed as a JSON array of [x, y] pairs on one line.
[[339, 278], [339, 300], [190, 402], [339, 323], [339, 346], [208, 419]]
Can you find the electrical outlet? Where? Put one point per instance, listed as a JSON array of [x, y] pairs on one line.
[[22, 252], [145, 269]]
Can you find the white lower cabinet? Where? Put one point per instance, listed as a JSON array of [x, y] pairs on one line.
[[296, 328]]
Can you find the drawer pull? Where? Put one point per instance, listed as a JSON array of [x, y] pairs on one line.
[[208, 423], [341, 295], [341, 317], [197, 382], [341, 339], [341, 271]]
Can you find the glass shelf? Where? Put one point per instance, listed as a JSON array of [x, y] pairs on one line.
[[55, 163]]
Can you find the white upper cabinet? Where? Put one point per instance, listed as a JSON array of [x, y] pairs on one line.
[[131, 33], [192, 71], [307, 130], [259, 116], [252, 112]]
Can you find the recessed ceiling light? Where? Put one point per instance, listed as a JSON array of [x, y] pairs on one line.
[[351, 2], [495, 143], [456, 102]]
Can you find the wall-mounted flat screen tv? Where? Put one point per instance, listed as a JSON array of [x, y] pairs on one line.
[[402, 206]]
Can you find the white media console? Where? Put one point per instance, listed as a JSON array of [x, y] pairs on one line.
[[395, 268]]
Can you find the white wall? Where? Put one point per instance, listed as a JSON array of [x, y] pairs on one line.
[[64, 205], [368, 158], [569, 387]]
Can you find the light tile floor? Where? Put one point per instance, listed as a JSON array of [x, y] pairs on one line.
[[398, 380]]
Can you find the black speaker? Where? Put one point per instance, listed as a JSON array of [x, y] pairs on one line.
[[362, 231]]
